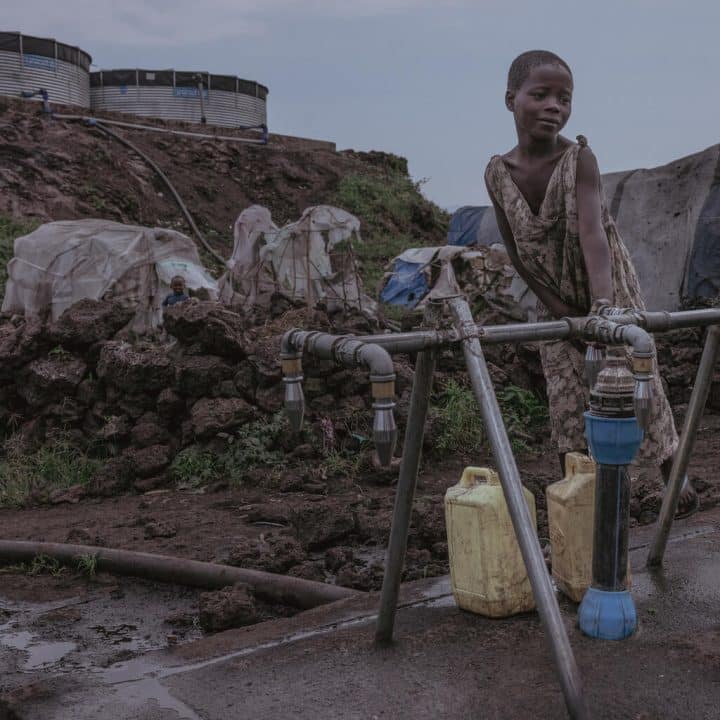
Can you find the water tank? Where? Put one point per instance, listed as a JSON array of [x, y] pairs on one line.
[[30, 63], [228, 101]]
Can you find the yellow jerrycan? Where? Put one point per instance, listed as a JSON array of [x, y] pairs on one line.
[[486, 568], [571, 518]]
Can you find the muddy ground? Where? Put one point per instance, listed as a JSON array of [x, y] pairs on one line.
[[66, 622], [331, 531]]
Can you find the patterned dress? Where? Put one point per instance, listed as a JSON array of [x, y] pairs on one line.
[[548, 244]]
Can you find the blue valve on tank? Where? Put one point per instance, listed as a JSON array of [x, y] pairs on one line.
[[614, 435]]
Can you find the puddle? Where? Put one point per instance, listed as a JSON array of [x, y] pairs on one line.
[[40, 654]]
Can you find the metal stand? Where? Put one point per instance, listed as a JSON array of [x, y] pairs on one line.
[[687, 440], [402, 513], [548, 608]]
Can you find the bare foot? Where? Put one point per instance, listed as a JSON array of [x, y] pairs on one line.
[[688, 502]]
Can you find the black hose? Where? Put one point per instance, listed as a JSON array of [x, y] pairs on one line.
[[285, 589], [168, 184]]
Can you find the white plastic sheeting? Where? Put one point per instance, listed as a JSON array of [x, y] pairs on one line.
[[63, 262], [310, 259]]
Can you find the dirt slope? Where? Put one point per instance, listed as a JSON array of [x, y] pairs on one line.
[[56, 170]]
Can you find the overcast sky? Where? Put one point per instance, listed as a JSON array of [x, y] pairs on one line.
[[426, 79]]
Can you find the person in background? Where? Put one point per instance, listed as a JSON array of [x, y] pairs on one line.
[[178, 293]]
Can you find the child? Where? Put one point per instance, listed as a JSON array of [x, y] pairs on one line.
[[178, 294], [553, 218]]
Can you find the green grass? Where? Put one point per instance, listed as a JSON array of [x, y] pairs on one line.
[[525, 416], [388, 208], [87, 565], [26, 476], [9, 230]]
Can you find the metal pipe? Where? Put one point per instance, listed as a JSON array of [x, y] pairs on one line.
[[678, 471], [90, 120], [411, 342], [519, 514], [397, 544], [294, 591], [168, 184]]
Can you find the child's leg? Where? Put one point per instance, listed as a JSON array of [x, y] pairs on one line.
[[689, 503]]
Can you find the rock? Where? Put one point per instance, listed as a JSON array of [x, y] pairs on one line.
[[50, 380], [135, 371], [84, 536], [361, 578], [113, 478], [170, 406], [216, 329], [210, 416], [318, 524], [89, 321], [70, 495], [273, 553], [87, 392], [19, 344], [145, 434], [310, 570], [246, 382], [336, 557], [159, 529], [143, 485], [270, 399], [227, 608], [149, 461], [199, 375], [116, 427]]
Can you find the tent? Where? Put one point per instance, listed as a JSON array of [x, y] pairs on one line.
[[63, 262], [483, 274], [310, 259]]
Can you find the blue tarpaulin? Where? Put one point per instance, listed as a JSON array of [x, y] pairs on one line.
[[407, 285], [464, 226]]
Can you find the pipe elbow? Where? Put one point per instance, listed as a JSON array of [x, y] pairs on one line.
[[288, 343], [376, 359]]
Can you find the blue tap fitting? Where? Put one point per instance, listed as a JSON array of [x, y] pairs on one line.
[[607, 611]]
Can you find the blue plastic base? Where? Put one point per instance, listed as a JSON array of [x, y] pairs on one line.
[[607, 615], [612, 441]]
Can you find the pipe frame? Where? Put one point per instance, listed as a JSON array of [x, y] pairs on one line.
[[407, 482], [699, 396], [539, 577]]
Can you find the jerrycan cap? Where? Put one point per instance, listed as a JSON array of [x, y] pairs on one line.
[[578, 464], [474, 476]]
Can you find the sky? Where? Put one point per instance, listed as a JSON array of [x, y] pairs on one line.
[[426, 79]]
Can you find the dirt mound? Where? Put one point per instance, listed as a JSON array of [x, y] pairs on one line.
[[61, 170]]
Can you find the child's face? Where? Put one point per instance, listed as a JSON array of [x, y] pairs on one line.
[[542, 104], [178, 286]]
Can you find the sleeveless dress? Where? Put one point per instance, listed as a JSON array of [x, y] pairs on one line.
[[548, 244]]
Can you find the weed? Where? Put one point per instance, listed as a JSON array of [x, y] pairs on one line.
[[523, 412], [25, 475], [45, 565], [525, 416], [87, 565], [253, 445], [193, 467], [459, 416], [9, 230]]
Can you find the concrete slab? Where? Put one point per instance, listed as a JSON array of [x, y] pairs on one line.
[[444, 664]]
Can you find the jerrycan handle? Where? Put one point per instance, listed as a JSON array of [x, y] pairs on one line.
[[473, 476], [578, 464]]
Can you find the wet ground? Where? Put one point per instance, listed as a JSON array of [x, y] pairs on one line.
[[86, 654]]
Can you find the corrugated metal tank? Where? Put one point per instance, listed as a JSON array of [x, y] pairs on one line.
[[228, 101], [29, 63]]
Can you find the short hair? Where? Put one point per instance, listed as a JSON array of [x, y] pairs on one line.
[[525, 63], [177, 277]]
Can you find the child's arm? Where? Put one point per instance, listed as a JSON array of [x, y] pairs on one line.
[[593, 240], [548, 298]]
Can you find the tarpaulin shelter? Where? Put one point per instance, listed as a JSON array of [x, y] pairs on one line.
[[311, 259], [63, 262], [483, 274]]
